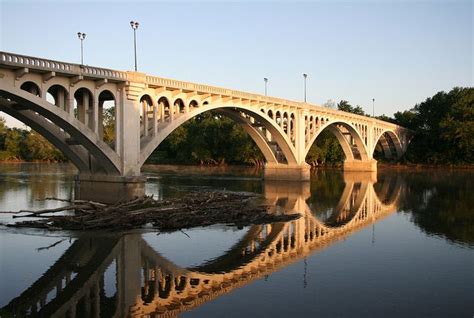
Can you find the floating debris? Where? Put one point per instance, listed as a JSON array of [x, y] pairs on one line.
[[193, 210]]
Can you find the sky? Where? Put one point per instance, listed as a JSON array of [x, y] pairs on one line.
[[397, 52]]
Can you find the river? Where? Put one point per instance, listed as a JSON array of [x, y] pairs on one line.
[[391, 244]]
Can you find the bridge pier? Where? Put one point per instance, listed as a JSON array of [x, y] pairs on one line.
[[108, 189], [360, 165], [284, 172]]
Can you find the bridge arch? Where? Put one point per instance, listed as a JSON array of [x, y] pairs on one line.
[[240, 114], [59, 96], [351, 141], [83, 101], [74, 138], [164, 108], [390, 143]]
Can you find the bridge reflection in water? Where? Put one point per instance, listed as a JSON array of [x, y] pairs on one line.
[[146, 283]]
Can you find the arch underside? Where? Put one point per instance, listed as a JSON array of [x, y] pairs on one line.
[[74, 139], [390, 144], [269, 137], [352, 144]]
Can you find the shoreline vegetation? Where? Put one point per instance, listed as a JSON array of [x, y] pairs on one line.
[[443, 127]]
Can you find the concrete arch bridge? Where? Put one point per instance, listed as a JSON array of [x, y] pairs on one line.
[[148, 284], [66, 103]]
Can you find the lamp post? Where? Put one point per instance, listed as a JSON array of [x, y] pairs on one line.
[[134, 26], [266, 81], [81, 37], [305, 76], [373, 107]]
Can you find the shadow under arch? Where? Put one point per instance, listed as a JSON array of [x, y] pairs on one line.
[[251, 119], [72, 137]]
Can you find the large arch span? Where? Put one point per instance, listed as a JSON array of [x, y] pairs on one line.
[[268, 136], [71, 136]]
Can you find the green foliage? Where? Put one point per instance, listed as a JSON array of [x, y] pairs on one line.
[[443, 126], [34, 147], [109, 126], [346, 107], [21, 144], [208, 139], [326, 150]]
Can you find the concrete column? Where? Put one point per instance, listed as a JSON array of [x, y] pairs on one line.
[[360, 165], [61, 99], [100, 120], [285, 172], [85, 108], [145, 117], [70, 105], [95, 115], [300, 145], [155, 120], [172, 108], [129, 135], [128, 273], [162, 112]]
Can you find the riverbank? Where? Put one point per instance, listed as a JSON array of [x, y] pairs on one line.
[[411, 166], [209, 169]]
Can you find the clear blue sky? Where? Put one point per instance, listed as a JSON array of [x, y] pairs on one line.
[[398, 52]]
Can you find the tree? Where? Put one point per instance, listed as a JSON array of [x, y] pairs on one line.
[[3, 133], [346, 107], [109, 126], [443, 127], [330, 104]]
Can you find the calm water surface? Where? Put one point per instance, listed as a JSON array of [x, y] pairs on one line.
[[395, 244]]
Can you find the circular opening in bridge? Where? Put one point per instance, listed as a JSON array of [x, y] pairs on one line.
[[31, 88]]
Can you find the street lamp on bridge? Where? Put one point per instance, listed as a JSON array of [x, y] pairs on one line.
[[373, 107], [305, 76], [266, 81], [134, 26], [81, 37]]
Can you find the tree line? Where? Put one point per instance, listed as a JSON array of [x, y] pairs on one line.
[[442, 125]]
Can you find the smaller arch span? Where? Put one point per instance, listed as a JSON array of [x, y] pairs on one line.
[[349, 138]]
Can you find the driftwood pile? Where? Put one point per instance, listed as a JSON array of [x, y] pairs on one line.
[[195, 209]]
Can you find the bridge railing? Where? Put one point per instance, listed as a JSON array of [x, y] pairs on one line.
[[202, 88], [60, 67], [17, 60]]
